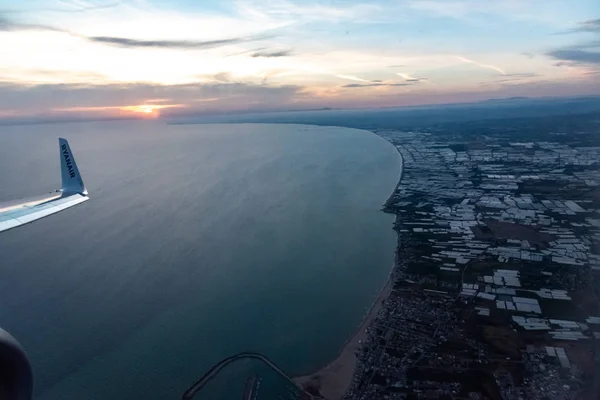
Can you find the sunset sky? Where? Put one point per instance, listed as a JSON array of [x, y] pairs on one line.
[[140, 57]]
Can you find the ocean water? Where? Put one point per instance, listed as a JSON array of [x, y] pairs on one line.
[[199, 241]]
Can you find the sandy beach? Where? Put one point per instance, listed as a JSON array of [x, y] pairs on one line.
[[333, 380]]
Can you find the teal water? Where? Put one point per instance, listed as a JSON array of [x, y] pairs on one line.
[[199, 241]]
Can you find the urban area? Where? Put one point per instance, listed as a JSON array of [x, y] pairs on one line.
[[497, 271]]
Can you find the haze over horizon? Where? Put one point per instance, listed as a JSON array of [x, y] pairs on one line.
[[90, 59]]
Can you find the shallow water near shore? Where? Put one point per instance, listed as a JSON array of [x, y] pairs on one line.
[[199, 241]]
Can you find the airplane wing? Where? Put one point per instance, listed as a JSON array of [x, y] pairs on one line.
[[73, 192]]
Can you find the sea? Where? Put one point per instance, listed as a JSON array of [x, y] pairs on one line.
[[200, 241]]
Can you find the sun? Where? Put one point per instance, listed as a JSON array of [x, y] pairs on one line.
[[148, 110]]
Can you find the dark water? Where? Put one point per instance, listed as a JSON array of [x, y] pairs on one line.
[[199, 241]]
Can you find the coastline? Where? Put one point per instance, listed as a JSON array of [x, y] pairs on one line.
[[334, 379]]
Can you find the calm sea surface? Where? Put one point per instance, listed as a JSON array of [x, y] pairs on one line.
[[199, 241]]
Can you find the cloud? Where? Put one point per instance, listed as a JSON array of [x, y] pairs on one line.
[[352, 78], [564, 64], [592, 25], [172, 44], [46, 99], [522, 74], [409, 78], [528, 55], [508, 81], [273, 73], [581, 53], [223, 77], [593, 44], [479, 13], [291, 13], [275, 53], [446, 9], [9, 25], [487, 66], [51, 75], [470, 10], [577, 56], [77, 9], [241, 53], [361, 85], [158, 101], [519, 78]]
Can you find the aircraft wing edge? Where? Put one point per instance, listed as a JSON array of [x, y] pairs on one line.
[[29, 214], [73, 192]]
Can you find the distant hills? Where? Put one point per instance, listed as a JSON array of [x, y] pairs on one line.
[[414, 117]]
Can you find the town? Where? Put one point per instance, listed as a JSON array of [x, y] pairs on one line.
[[497, 271]]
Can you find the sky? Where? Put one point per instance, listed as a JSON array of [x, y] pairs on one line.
[[143, 58]]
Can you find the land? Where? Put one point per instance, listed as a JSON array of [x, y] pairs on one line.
[[495, 290]]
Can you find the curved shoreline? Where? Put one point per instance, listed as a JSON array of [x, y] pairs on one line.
[[334, 379]]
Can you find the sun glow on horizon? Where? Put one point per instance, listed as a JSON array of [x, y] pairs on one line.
[[147, 109], [143, 110]]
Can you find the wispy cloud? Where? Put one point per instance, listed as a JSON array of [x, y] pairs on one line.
[[592, 44], [409, 78], [511, 78], [223, 77], [578, 56], [362, 85], [482, 65], [275, 73], [475, 12], [580, 53], [450, 9], [9, 25], [69, 8], [564, 64], [172, 44], [291, 13], [273, 53], [52, 75], [592, 25], [12, 25], [522, 74], [352, 78]]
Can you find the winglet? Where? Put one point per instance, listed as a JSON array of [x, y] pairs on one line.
[[71, 178]]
